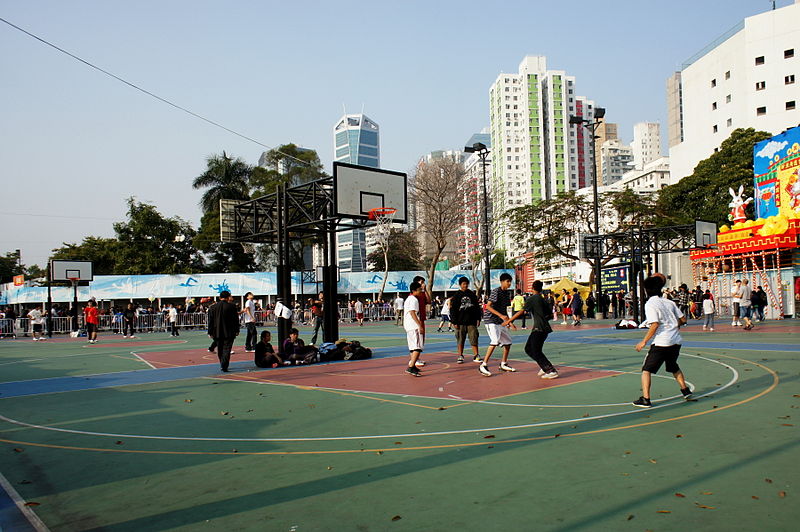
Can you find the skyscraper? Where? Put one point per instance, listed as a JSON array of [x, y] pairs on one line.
[[356, 140], [535, 153]]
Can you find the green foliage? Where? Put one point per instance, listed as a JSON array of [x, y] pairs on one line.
[[499, 259], [285, 164], [403, 253], [704, 194], [225, 178], [150, 243], [101, 251], [9, 267], [222, 257]]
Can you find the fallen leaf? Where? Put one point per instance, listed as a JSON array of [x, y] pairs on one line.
[[653, 461], [33, 503], [488, 436], [631, 516], [664, 511], [25, 482], [679, 435], [224, 413], [119, 442], [18, 450], [442, 408], [398, 443], [768, 480], [586, 414], [236, 450], [704, 507], [781, 494], [784, 417], [795, 395], [706, 493], [714, 406], [627, 452], [786, 425], [753, 497], [680, 495], [187, 400], [490, 447], [557, 435], [250, 410], [396, 518], [330, 467], [379, 452]]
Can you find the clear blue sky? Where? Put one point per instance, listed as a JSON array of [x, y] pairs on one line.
[[74, 143]]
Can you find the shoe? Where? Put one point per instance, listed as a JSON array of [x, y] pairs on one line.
[[686, 392], [506, 367], [211, 351], [563, 323], [438, 330], [420, 363], [711, 329], [552, 375], [251, 350], [414, 372], [541, 372], [733, 324], [705, 328], [484, 370], [460, 359], [224, 370], [641, 402], [477, 358], [35, 339]]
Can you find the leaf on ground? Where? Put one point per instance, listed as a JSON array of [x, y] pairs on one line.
[[631, 516], [18, 450], [784, 417], [781, 494], [627, 452], [250, 410], [119, 442], [488, 436], [396, 518], [754, 497], [663, 511], [187, 400], [681, 495], [25, 482], [224, 413], [707, 493], [679, 435], [557, 435], [586, 414], [714, 406], [653, 461], [442, 408], [490, 447], [379, 452], [236, 450], [796, 395], [786, 425], [768, 480], [398, 443], [32, 503], [704, 507]]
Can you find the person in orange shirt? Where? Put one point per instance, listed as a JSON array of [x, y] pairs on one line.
[[92, 319]]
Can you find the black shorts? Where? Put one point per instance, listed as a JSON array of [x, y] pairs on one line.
[[91, 328], [658, 355], [37, 327]]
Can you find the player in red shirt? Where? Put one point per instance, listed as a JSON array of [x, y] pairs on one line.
[[92, 318]]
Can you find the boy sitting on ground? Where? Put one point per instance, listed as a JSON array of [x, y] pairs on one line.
[[265, 356]]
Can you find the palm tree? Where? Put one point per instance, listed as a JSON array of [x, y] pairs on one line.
[[225, 178]]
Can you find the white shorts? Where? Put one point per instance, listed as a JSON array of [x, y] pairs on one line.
[[498, 335], [415, 340]]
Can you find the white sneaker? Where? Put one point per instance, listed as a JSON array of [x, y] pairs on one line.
[[551, 375], [705, 328], [541, 372], [563, 323], [420, 363], [35, 339], [711, 329], [506, 367], [733, 324], [484, 370]]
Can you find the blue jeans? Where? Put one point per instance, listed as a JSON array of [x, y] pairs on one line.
[[708, 320]]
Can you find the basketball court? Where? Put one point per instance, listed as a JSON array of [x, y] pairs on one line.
[[146, 434]]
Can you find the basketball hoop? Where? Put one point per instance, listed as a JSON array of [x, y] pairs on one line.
[[74, 280], [382, 216], [248, 248]]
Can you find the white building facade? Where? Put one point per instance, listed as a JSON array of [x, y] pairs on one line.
[[747, 78], [646, 145]]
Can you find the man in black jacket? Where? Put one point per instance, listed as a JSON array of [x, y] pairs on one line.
[[465, 315], [223, 327]]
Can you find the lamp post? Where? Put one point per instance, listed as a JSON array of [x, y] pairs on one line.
[[592, 125], [482, 151]]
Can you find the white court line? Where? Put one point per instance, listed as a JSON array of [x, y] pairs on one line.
[[29, 514], [143, 360], [733, 380]]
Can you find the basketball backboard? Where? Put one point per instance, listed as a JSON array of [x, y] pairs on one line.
[[358, 189], [67, 270], [227, 220], [705, 233]]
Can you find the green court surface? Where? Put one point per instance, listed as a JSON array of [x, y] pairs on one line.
[[146, 434]]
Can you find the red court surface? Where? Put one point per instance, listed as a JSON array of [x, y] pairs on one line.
[[442, 377], [186, 357]]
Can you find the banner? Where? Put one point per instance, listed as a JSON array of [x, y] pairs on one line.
[[776, 165]]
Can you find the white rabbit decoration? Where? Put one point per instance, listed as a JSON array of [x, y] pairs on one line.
[[738, 205]]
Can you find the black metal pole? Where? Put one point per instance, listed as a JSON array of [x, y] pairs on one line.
[[48, 320], [283, 269], [487, 268], [74, 305], [330, 318], [599, 257]]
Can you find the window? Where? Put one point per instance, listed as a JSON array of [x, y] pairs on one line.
[[728, 98], [761, 85], [728, 74], [760, 60], [788, 80], [790, 106], [729, 123], [715, 128], [714, 106], [713, 83], [788, 54], [761, 111]]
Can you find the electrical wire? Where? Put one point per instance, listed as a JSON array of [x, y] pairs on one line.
[[147, 92]]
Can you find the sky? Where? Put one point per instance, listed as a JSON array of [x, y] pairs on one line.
[[75, 143]]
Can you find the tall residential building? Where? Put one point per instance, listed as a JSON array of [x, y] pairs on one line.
[[535, 152], [605, 131], [356, 140], [646, 145], [746, 78], [615, 160]]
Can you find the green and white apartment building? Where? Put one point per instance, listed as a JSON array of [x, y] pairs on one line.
[[536, 154]]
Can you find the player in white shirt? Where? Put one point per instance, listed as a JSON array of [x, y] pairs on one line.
[[398, 309], [415, 329], [663, 319], [37, 323]]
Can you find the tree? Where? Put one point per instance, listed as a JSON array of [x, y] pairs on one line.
[[221, 257], [551, 228], [403, 253], [224, 178], [285, 164], [9, 267], [101, 251], [150, 243], [435, 189], [704, 194]]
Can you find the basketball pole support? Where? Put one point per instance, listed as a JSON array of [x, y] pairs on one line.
[[330, 318]]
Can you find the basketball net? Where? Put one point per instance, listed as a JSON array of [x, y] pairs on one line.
[[382, 216], [248, 248]]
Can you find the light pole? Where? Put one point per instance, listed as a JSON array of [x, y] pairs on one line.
[[592, 126], [482, 151]]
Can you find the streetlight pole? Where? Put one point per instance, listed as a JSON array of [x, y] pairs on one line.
[[483, 153], [592, 126]]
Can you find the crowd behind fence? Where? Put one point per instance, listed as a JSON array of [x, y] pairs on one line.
[[148, 323]]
